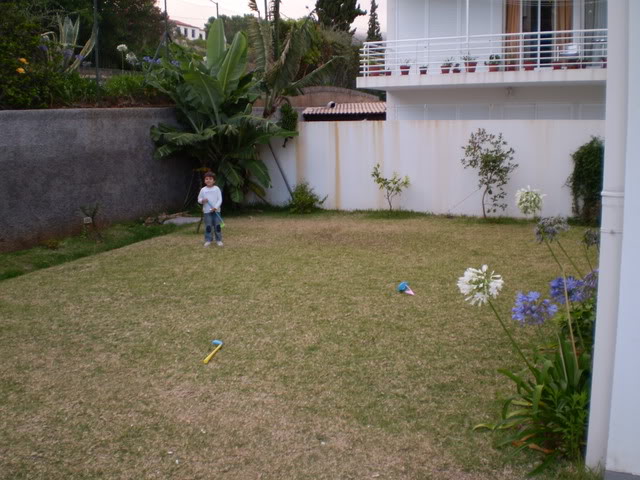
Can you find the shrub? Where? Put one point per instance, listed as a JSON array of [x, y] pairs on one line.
[[304, 199], [126, 86], [392, 186], [489, 154], [27, 79], [586, 180]]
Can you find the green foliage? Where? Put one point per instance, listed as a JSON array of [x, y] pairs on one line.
[[304, 199], [27, 80], [214, 101], [338, 14], [373, 33], [77, 90], [586, 180], [550, 409], [392, 186], [489, 154], [278, 63], [127, 86], [61, 47], [288, 118]]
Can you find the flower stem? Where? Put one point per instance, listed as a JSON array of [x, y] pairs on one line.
[[586, 255], [570, 259], [553, 253], [513, 342], [569, 322]]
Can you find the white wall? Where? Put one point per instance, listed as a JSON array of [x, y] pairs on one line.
[[336, 158], [497, 103]]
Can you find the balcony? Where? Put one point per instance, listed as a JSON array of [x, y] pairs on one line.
[[562, 57]]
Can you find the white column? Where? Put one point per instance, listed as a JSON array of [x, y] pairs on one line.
[[623, 449], [611, 231]]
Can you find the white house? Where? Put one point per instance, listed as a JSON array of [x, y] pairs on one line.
[[189, 32], [491, 59]]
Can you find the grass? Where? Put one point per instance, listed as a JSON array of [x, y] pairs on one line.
[[326, 371], [55, 252]]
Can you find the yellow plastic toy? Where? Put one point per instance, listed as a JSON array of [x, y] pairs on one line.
[[218, 346]]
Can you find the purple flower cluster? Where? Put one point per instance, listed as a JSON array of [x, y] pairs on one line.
[[175, 63], [575, 289], [67, 53], [530, 309], [590, 284], [591, 238], [147, 59], [549, 227]]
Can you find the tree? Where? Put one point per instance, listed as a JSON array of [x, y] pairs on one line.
[[214, 101], [278, 63], [373, 33], [489, 154], [392, 186], [338, 14]]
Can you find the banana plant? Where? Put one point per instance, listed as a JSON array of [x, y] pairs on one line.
[[214, 99]]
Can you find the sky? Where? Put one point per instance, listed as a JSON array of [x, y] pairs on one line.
[[197, 12]]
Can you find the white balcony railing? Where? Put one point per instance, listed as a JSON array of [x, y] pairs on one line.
[[565, 49]]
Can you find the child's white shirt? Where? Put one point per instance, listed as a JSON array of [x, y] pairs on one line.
[[210, 198]]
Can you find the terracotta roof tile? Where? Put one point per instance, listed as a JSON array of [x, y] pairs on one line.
[[348, 109]]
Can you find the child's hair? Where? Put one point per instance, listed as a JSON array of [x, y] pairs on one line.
[[210, 174]]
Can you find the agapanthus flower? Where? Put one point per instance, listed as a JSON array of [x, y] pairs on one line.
[[131, 58], [480, 284], [590, 284], [530, 309], [529, 201], [549, 227], [67, 53], [79, 57], [175, 63], [591, 238], [575, 290], [122, 48], [43, 47]]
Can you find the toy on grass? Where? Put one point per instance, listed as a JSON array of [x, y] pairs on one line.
[[405, 288], [217, 346]]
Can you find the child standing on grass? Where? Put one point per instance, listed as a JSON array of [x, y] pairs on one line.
[[210, 197]]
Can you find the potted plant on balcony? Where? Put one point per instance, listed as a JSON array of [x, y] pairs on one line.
[[374, 68], [456, 68], [469, 63], [445, 67], [529, 64], [424, 69], [405, 67], [494, 62]]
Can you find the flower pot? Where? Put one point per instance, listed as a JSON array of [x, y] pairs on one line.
[[494, 68], [470, 66], [456, 70], [423, 70], [445, 69], [404, 69], [529, 65], [387, 73], [557, 66], [375, 70], [511, 68]]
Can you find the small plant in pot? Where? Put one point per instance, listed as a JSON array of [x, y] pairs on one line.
[[493, 63], [424, 69], [445, 67], [405, 67], [456, 68], [470, 63]]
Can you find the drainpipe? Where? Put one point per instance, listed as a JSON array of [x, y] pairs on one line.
[[611, 233]]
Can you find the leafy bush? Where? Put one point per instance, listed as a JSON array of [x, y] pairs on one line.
[[586, 180], [490, 156], [126, 86], [27, 79], [75, 89], [304, 199]]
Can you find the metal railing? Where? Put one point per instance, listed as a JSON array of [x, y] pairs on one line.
[[562, 49]]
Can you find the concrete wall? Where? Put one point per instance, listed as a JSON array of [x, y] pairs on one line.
[[52, 162], [337, 159]]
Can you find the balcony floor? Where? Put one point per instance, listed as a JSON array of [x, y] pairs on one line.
[[543, 76]]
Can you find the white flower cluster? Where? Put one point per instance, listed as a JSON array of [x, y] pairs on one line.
[[529, 201], [480, 284], [131, 58], [122, 48]]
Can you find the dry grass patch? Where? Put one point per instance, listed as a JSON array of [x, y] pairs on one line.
[[326, 372]]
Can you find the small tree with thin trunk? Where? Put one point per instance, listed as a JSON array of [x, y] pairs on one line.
[[492, 157], [392, 186]]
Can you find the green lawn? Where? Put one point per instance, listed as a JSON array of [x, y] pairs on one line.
[[326, 371]]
